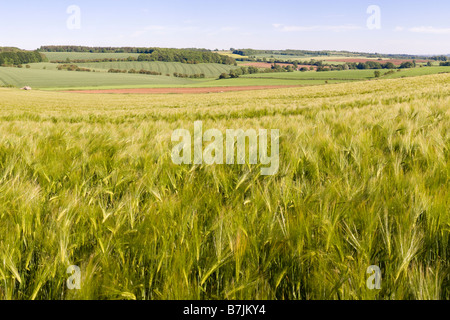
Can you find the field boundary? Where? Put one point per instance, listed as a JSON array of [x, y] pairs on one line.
[[178, 90]]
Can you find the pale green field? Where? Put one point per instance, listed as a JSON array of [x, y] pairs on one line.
[[38, 78], [312, 75], [350, 74], [63, 80], [418, 72], [211, 70], [88, 180], [50, 79]]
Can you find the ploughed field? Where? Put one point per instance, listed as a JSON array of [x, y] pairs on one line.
[[363, 180]]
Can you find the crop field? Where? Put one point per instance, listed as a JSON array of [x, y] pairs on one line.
[[326, 75], [38, 78], [230, 54], [46, 76], [60, 56], [309, 57], [417, 72], [350, 74], [211, 70], [88, 180], [62, 80]]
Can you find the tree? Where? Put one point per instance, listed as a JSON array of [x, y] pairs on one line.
[[388, 65], [377, 74], [407, 65], [224, 76]]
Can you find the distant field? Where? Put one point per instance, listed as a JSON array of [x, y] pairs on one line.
[[417, 72], [66, 79], [327, 75], [52, 56], [211, 83], [349, 74], [306, 57], [232, 55], [50, 79], [211, 70], [268, 65], [396, 62]]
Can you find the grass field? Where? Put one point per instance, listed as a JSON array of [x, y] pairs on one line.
[[211, 70], [308, 57], [418, 72], [350, 74], [312, 75], [38, 78], [62, 80], [46, 76], [87, 180]]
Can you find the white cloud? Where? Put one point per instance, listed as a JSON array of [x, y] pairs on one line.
[[398, 28], [337, 28], [430, 30]]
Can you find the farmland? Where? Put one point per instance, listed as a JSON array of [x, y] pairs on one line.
[[211, 70], [125, 72], [87, 180], [350, 74], [46, 76], [38, 78]]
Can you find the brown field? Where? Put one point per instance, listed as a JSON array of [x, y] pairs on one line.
[[397, 62], [183, 90]]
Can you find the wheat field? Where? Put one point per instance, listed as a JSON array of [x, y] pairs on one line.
[[87, 180]]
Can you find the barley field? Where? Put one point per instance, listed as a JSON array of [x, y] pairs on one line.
[[88, 180]]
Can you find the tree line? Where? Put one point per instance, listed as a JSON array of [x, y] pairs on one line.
[[68, 60], [235, 73], [20, 57], [191, 56], [186, 56], [108, 49]]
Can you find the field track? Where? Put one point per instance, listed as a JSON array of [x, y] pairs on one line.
[[184, 90]]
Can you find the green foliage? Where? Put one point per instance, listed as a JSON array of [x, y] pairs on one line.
[[87, 57], [87, 180], [407, 65], [186, 56], [20, 57], [211, 70]]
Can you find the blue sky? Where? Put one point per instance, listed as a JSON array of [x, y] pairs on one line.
[[417, 27]]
